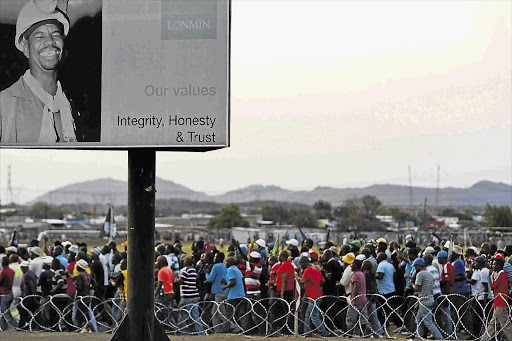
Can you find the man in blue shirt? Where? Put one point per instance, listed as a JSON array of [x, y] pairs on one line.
[[216, 275], [461, 292], [235, 286], [386, 287]]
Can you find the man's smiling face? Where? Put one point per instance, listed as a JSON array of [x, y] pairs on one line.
[[44, 47]]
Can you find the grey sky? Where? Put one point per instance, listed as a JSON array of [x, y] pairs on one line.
[[339, 93]]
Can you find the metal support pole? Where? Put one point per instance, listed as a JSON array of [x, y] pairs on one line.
[[139, 323]]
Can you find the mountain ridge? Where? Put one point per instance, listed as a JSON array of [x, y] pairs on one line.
[[108, 190]]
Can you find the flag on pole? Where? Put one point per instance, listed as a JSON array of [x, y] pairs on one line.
[[328, 233], [297, 295], [14, 240], [302, 234], [109, 227], [275, 249]]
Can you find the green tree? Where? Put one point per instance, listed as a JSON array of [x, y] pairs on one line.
[[388, 210], [322, 209], [498, 216], [304, 219], [371, 204], [228, 217]]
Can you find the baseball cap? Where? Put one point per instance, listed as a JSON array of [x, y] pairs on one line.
[[261, 242], [313, 255], [418, 261], [442, 254], [47, 260], [356, 243], [73, 248], [67, 242], [361, 257], [349, 258], [255, 254], [293, 242], [498, 256], [381, 240], [37, 11]]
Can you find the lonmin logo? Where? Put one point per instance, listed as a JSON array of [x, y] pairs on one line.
[[192, 19]]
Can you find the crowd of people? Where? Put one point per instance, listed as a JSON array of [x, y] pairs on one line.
[[440, 290]]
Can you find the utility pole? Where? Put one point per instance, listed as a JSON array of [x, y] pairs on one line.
[[410, 186], [437, 186]]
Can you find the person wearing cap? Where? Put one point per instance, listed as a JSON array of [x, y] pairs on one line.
[[424, 286], [355, 246], [6, 296], [501, 307], [481, 291], [462, 291], [253, 269], [35, 109], [312, 280], [36, 263], [83, 283], [30, 299], [265, 273], [357, 313], [447, 289], [348, 272]]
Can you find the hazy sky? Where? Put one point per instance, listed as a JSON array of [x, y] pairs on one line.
[[339, 93]]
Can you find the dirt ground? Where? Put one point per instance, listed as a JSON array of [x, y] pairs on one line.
[[24, 336]]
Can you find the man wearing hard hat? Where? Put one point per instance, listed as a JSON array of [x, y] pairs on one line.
[[35, 110]]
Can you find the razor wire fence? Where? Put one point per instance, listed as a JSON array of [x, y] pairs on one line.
[[456, 316]]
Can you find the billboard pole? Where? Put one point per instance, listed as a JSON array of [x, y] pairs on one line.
[[139, 322]]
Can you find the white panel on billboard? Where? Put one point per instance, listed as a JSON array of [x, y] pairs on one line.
[[140, 73]]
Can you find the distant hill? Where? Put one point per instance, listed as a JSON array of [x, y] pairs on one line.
[[103, 191], [115, 192]]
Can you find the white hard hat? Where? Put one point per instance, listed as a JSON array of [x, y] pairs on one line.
[[36, 11], [261, 242]]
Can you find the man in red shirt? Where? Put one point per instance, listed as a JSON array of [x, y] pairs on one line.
[[500, 289], [6, 296], [165, 296], [447, 287], [313, 281], [285, 284]]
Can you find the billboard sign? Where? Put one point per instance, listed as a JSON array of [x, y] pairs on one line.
[[138, 73]]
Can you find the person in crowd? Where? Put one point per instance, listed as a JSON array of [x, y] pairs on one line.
[[462, 296], [386, 287], [447, 289], [313, 280], [424, 286], [189, 297], [357, 313], [6, 296], [164, 291], [215, 276], [236, 292], [30, 297], [500, 314]]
